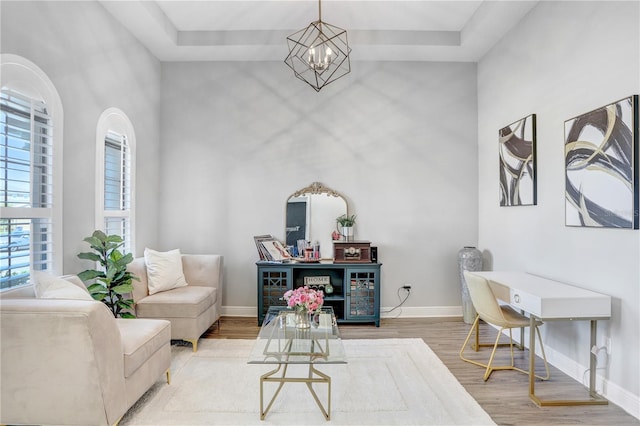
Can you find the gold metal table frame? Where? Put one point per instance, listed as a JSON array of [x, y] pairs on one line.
[[309, 381], [594, 397], [282, 344]]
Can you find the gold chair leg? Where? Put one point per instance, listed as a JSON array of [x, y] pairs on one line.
[[474, 327], [168, 376], [194, 342], [489, 369], [477, 344]]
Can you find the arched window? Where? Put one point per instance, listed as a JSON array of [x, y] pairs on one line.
[[115, 180], [30, 172]]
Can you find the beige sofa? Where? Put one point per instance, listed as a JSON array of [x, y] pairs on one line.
[[192, 309], [71, 362]]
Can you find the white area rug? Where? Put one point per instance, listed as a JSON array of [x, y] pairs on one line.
[[386, 382]]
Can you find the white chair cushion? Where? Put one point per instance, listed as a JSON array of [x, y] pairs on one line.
[[164, 270], [46, 286]]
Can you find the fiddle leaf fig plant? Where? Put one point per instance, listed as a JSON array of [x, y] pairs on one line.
[[112, 284]]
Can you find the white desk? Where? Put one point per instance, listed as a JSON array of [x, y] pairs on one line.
[[547, 300]]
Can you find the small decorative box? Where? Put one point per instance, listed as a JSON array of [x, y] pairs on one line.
[[352, 252]]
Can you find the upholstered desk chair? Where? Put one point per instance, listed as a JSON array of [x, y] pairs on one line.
[[490, 311]]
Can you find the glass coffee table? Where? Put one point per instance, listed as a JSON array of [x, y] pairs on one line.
[[281, 343]]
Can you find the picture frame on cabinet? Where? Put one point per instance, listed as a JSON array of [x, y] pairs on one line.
[[517, 168], [601, 166]]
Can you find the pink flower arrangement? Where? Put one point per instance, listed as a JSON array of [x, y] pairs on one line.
[[304, 297]]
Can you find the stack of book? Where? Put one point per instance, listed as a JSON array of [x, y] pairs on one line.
[[270, 249]]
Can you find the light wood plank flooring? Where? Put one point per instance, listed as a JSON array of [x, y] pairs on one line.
[[504, 396]]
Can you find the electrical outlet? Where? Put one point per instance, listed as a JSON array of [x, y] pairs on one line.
[[604, 344]]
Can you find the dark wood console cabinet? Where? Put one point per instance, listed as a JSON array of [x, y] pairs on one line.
[[356, 288]]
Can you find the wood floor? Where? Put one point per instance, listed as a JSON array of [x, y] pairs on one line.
[[504, 396]]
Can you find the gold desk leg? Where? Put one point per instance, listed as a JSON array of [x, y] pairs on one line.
[[594, 399], [309, 381]]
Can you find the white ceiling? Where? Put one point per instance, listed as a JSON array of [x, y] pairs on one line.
[[394, 30]]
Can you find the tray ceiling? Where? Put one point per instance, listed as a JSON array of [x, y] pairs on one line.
[[393, 30]]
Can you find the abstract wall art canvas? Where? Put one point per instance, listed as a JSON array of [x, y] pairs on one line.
[[601, 163], [517, 146]]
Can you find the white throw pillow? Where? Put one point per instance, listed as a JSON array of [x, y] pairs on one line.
[[164, 270], [46, 286]]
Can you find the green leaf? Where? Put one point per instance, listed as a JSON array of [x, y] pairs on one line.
[[115, 256], [90, 256], [127, 315], [94, 242], [120, 275], [122, 261], [97, 288], [125, 303], [112, 246], [122, 289], [111, 272], [98, 296], [99, 235], [90, 274], [113, 238]]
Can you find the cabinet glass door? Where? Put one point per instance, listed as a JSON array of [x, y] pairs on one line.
[[362, 295], [273, 283]]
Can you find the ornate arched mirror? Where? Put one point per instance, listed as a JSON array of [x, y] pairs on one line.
[[311, 216]]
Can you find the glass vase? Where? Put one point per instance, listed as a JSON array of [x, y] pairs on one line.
[[302, 318]]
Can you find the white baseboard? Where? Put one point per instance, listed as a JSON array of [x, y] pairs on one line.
[[421, 312], [614, 393], [240, 311]]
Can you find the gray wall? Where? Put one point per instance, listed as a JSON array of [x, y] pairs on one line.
[[397, 139], [94, 64], [562, 60]]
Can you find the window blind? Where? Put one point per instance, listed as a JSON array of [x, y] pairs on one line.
[[26, 188], [117, 187]]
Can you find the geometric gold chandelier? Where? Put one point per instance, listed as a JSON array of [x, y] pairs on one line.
[[319, 54]]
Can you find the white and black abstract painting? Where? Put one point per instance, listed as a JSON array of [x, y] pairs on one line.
[[517, 145], [601, 161]]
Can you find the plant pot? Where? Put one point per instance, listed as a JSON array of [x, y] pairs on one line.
[[347, 233]]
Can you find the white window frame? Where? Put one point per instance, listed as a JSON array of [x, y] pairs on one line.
[[23, 76], [116, 121]]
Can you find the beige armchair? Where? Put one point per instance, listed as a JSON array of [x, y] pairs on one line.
[[490, 311], [191, 309], [70, 362]]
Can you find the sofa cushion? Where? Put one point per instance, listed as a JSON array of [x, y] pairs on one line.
[[164, 270], [183, 302], [141, 338], [46, 286]]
